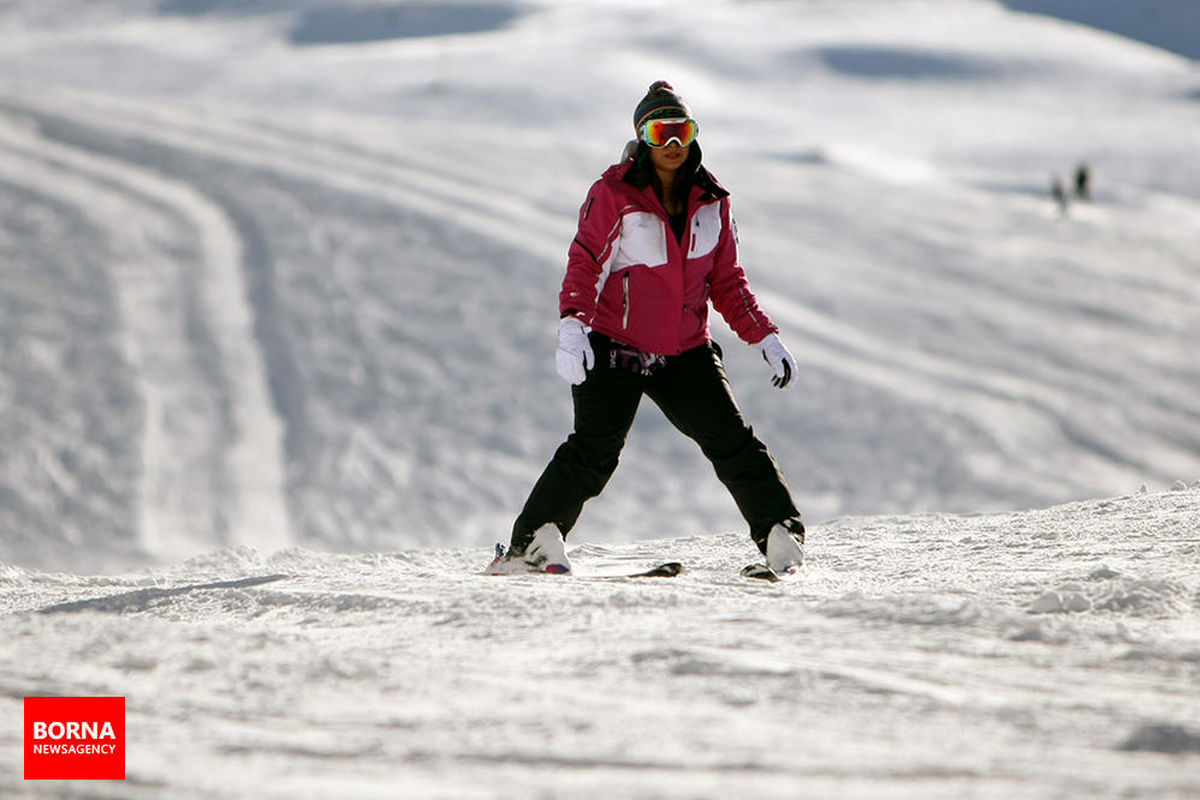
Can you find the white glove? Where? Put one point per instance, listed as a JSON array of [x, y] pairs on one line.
[[780, 359], [574, 355]]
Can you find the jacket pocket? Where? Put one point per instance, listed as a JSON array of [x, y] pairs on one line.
[[706, 230], [625, 311]]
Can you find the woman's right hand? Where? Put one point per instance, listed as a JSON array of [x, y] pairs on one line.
[[574, 356]]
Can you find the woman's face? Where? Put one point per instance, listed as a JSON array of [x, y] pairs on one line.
[[669, 158]]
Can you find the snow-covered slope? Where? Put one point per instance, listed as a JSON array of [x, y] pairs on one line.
[[278, 287], [1044, 654], [286, 273]]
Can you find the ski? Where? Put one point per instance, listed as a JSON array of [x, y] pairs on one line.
[[670, 569], [764, 573]]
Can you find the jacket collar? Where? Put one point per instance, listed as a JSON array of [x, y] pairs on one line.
[[709, 188]]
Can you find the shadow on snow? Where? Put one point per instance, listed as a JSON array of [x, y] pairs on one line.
[[351, 25]]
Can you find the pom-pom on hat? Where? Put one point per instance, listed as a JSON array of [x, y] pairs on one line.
[[660, 102]]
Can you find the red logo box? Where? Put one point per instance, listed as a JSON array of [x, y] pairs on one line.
[[75, 738]]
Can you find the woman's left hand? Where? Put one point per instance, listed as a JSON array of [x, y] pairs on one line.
[[780, 358]]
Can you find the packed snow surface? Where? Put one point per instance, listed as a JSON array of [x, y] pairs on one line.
[[278, 294], [1042, 654]]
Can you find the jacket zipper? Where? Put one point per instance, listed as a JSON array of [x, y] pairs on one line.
[[625, 316]]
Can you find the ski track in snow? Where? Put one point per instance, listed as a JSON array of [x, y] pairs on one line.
[[136, 206], [254, 150], [918, 656]]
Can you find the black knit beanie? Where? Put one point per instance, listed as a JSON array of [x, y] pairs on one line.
[[660, 102]]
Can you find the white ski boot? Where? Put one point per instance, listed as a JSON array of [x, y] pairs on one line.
[[785, 551], [546, 552]]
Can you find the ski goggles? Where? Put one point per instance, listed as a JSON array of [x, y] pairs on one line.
[[661, 132]]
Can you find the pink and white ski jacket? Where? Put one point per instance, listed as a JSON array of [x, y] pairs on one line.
[[630, 278]]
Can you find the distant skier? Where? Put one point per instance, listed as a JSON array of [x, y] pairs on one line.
[[655, 245], [1083, 182], [1059, 193]]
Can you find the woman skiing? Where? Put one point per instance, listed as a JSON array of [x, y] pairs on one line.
[[655, 245]]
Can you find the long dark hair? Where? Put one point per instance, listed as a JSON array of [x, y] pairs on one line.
[[642, 174]]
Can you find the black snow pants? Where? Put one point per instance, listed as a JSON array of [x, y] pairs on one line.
[[693, 392]]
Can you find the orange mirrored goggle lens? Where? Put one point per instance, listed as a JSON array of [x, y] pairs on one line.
[[661, 132]]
